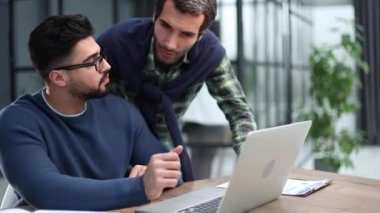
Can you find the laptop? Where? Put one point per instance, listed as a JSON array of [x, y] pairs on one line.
[[266, 159]]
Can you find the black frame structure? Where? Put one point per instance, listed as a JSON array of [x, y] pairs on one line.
[[275, 77], [275, 83]]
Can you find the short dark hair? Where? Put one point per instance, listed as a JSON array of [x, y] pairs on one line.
[[194, 7], [53, 40]]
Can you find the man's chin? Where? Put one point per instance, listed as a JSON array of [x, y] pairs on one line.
[[165, 63], [97, 94]]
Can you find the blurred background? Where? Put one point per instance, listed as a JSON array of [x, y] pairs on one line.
[[269, 43]]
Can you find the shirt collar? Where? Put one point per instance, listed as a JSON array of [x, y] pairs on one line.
[[59, 113]]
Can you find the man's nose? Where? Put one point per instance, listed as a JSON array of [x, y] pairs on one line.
[[106, 66], [171, 42]]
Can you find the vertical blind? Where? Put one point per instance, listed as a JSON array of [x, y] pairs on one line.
[[367, 14]]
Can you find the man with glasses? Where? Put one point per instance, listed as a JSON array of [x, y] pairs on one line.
[[69, 145]]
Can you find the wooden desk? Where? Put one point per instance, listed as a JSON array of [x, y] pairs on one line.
[[345, 194]]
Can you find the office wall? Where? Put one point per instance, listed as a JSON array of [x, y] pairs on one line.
[[4, 59], [325, 19], [27, 15], [98, 11]]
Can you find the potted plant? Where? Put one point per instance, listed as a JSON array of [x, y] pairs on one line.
[[333, 81]]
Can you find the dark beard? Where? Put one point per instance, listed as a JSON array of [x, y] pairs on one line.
[[95, 94], [162, 66], [165, 67], [98, 93]]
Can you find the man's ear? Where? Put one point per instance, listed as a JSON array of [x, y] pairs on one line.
[[58, 77]]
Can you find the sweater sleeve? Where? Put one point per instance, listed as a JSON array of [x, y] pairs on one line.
[[27, 166], [145, 143]]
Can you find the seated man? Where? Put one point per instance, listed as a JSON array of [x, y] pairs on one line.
[[69, 145]]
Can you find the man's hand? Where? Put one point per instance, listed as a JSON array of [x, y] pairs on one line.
[[137, 170], [163, 171]]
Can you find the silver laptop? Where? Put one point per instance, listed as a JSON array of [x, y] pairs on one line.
[[265, 162]]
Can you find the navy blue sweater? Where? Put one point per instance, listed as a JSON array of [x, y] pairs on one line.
[[80, 162], [127, 44]]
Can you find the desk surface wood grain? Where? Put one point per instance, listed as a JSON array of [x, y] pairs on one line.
[[345, 194]]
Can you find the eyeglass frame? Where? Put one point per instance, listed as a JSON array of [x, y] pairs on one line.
[[97, 62]]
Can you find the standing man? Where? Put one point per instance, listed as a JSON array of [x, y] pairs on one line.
[[160, 64], [69, 145]]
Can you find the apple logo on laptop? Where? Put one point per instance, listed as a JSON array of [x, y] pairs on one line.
[[268, 168]]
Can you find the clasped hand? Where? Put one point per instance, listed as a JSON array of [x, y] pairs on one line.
[[163, 171]]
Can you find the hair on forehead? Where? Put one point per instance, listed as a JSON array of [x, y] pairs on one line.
[[54, 38], [208, 8]]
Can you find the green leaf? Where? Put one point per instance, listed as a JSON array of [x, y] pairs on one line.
[[333, 80]]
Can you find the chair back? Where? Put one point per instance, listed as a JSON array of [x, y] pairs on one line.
[[9, 199]]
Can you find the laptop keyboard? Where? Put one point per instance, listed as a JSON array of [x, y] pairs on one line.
[[206, 207]]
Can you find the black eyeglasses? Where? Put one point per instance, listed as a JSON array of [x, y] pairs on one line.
[[98, 63]]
